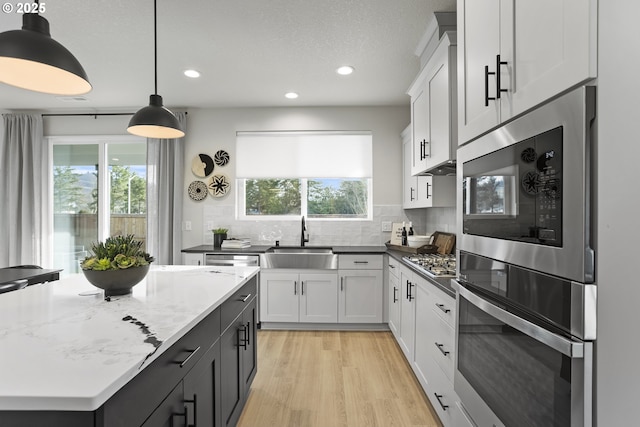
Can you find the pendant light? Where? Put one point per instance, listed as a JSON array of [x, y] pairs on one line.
[[31, 59], [155, 121]]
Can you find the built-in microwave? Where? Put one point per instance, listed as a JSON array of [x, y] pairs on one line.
[[526, 190]]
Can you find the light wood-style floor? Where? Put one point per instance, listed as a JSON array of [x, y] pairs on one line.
[[334, 379]]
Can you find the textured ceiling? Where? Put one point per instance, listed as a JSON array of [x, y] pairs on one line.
[[250, 52]]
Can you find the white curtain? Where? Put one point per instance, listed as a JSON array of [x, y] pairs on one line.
[[165, 178], [25, 230]]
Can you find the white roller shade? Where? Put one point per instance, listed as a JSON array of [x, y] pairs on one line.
[[304, 155]]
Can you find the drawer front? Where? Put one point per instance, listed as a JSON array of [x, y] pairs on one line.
[[233, 306], [394, 267], [360, 262], [136, 400], [444, 306], [443, 398], [442, 349]]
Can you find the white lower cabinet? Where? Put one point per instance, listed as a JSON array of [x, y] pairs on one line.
[[394, 297], [189, 258], [294, 297], [407, 313], [361, 287], [426, 336]]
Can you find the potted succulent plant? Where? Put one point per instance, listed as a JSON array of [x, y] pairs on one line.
[[117, 264], [219, 234]]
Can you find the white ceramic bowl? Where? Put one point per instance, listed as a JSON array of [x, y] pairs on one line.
[[416, 241]]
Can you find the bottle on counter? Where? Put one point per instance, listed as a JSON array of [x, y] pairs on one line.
[[410, 232], [404, 234]]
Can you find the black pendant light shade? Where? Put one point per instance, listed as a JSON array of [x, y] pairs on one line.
[[155, 121], [31, 59]]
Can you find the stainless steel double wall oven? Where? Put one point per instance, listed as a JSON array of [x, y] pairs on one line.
[[526, 276]]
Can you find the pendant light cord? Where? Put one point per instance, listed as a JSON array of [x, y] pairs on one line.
[[155, 47]]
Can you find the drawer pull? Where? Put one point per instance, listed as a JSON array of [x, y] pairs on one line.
[[392, 266], [446, 353], [244, 298], [183, 414], [439, 396], [442, 307], [185, 361], [361, 262]]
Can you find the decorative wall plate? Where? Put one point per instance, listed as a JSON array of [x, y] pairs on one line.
[[202, 165], [219, 185], [197, 190], [221, 158]]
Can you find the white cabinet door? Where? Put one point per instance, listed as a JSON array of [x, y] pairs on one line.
[[548, 46], [360, 296], [423, 362], [513, 56], [394, 298], [407, 313], [478, 32], [420, 123], [409, 182], [319, 298], [279, 297]]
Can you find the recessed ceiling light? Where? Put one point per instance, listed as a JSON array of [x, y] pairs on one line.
[[291, 95], [192, 73], [345, 70]]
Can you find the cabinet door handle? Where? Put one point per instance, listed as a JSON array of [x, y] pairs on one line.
[[439, 396], [422, 150], [395, 298], [392, 266], [411, 297], [183, 414], [412, 194], [244, 298], [428, 185], [242, 341], [195, 411], [341, 284], [499, 90], [442, 307], [487, 98], [446, 353], [302, 287], [295, 287], [248, 334], [185, 361]]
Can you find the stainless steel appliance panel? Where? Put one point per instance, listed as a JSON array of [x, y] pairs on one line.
[[573, 258], [231, 260], [512, 372]]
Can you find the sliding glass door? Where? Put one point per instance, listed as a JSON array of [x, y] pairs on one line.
[[99, 190]]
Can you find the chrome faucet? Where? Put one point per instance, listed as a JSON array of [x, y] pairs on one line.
[[304, 236]]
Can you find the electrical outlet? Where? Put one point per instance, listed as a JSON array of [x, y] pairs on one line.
[[187, 226], [386, 226]]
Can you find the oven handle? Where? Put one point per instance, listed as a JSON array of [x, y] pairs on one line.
[[569, 348]]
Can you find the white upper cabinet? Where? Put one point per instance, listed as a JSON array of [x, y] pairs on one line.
[[513, 56], [434, 109]]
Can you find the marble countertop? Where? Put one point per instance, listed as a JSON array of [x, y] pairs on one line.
[[63, 347]]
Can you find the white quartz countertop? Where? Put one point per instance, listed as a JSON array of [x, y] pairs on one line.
[[61, 349]]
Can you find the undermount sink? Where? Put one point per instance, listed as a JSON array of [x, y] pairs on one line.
[[299, 257]]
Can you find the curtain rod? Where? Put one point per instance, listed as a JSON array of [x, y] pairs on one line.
[[89, 114]]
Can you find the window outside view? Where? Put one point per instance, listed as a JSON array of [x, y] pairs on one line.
[[325, 198], [489, 191]]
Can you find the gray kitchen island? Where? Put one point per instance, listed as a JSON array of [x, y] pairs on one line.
[[180, 349]]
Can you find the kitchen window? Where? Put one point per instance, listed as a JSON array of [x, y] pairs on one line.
[[324, 175], [99, 190]]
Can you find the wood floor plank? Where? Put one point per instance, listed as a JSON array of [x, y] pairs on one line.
[[334, 379]]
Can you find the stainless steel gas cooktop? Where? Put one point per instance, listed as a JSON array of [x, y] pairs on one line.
[[436, 265]]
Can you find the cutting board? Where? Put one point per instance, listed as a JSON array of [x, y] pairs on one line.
[[445, 242]]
